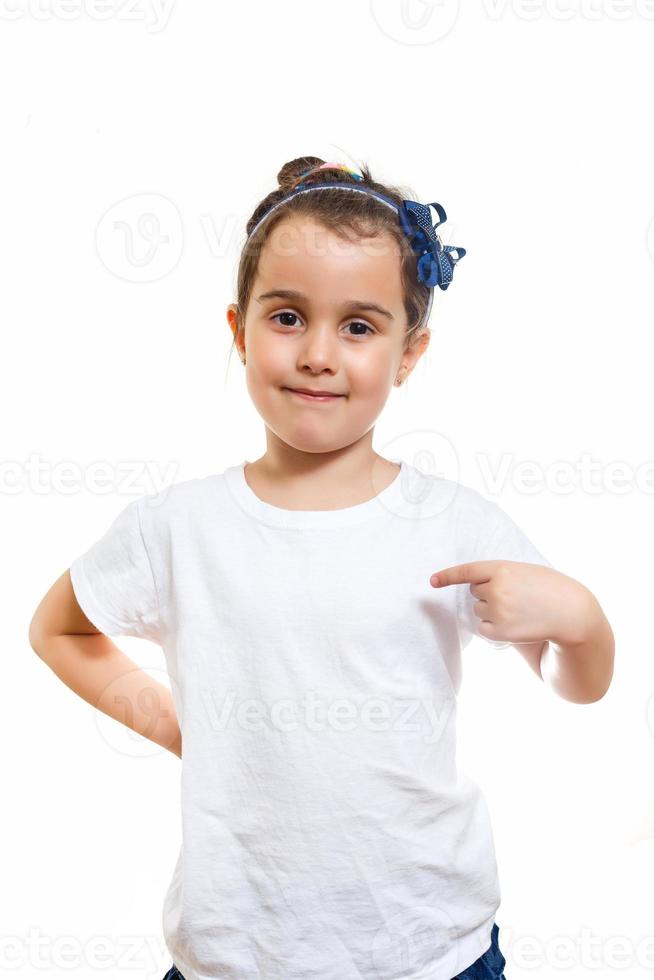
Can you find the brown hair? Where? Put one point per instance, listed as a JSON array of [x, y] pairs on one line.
[[343, 213]]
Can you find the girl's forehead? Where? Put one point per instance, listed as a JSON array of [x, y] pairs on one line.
[[304, 234], [306, 249]]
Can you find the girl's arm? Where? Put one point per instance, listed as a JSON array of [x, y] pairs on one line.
[[554, 621], [579, 667], [91, 665], [532, 654]]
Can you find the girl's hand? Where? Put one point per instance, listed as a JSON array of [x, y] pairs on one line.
[[520, 602]]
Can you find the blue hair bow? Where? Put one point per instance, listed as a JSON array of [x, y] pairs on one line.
[[435, 261]]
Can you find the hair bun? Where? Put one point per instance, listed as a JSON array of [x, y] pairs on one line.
[[292, 171]]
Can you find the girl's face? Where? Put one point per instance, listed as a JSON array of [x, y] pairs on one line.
[[324, 314]]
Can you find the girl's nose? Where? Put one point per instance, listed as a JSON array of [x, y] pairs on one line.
[[319, 350]]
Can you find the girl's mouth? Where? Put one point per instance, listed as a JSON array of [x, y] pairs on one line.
[[310, 396]]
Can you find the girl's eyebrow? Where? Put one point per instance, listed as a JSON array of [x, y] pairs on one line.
[[357, 304]]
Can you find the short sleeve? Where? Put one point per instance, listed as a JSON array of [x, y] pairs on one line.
[[114, 583], [492, 535]]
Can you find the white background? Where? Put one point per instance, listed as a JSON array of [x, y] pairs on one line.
[[530, 123]]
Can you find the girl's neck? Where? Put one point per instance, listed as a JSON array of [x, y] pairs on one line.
[[324, 481]]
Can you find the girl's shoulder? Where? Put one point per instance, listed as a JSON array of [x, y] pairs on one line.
[[182, 498], [449, 497]]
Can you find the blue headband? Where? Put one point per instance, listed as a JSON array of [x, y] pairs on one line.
[[435, 266]]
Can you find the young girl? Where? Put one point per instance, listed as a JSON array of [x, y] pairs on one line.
[[313, 606]]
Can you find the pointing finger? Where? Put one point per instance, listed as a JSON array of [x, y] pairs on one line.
[[472, 571]]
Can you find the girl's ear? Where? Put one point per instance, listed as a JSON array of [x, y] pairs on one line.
[[232, 318], [418, 344], [416, 348], [233, 321]]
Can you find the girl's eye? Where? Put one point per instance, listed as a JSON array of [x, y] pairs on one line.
[[285, 313], [358, 323]]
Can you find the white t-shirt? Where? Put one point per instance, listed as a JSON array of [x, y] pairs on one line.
[[326, 831]]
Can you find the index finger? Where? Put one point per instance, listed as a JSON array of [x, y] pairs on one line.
[[472, 571]]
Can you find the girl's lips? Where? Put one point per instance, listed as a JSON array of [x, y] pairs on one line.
[[313, 398]]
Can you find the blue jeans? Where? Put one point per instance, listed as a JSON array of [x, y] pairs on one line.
[[489, 966]]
